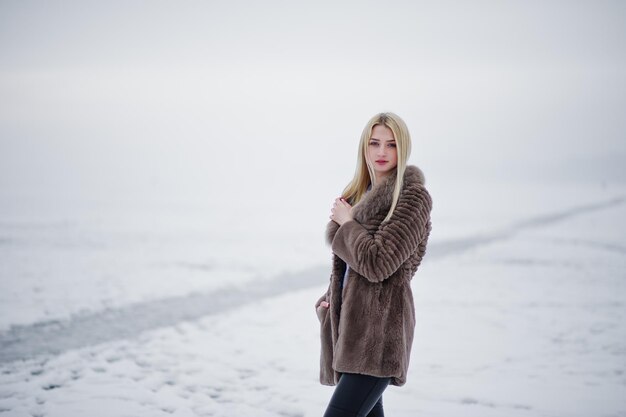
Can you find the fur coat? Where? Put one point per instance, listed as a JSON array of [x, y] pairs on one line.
[[368, 328]]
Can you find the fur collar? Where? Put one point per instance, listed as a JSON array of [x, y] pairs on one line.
[[378, 198]]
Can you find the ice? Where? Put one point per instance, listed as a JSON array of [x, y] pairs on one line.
[[167, 171], [526, 323]]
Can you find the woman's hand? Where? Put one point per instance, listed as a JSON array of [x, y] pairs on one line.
[[320, 309], [341, 211]]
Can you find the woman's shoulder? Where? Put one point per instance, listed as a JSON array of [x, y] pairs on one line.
[[413, 175], [414, 179], [415, 185]]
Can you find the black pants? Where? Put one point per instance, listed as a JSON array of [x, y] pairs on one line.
[[357, 395]]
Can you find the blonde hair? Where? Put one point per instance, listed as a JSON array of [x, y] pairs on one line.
[[364, 173]]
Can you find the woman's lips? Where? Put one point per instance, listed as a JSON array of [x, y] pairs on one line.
[[381, 162]]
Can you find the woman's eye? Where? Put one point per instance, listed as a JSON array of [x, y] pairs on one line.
[[373, 143], [393, 145]]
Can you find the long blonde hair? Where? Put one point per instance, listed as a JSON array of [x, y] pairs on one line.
[[364, 173]]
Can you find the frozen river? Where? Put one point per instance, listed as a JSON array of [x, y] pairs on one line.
[[520, 312]]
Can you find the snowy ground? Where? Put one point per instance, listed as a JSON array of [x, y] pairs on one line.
[[62, 256], [523, 319]]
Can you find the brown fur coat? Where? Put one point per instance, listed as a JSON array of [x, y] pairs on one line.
[[368, 328]]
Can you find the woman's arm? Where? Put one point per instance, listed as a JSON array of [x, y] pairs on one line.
[[376, 256]]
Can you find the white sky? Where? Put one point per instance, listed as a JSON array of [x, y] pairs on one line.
[[124, 94]]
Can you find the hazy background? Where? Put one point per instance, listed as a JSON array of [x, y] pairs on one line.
[[138, 136], [225, 99], [154, 154]]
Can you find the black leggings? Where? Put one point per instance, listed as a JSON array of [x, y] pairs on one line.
[[357, 395]]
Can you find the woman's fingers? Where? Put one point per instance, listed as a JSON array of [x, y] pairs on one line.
[[320, 309], [340, 209]]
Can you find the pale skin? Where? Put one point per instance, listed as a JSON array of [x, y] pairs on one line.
[[381, 147]]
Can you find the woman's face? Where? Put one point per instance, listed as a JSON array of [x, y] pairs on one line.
[[381, 151]]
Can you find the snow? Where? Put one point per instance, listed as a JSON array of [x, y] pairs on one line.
[[524, 318], [166, 174]]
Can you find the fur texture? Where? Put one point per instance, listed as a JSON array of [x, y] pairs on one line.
[[368, 328]]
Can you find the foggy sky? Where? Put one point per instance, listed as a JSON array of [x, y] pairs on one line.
[[124, 94]]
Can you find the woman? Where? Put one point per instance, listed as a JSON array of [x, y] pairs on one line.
[[378, 233]]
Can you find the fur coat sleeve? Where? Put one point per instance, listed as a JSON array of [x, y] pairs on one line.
[[376, 255]]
